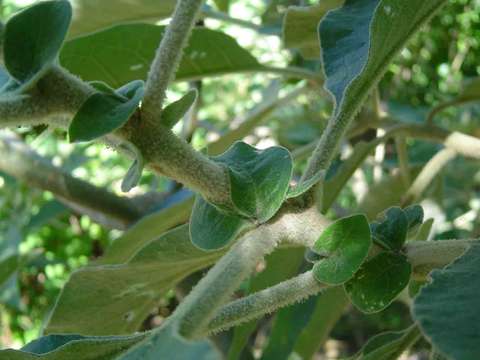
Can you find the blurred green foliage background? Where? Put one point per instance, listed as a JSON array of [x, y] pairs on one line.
[[54, 241]]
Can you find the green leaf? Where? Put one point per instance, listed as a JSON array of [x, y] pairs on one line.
[[303, 187], [93, 15], [209, 53], [134, 173], [211, 228], [121, 296], [286, 327], [78, 347], [391, 232], [345, 245], [371, 32], [378, 282], [414, 214], [424, 230], [103, 113], [145, 231], [330, 306], [167, 341], [102, 87], [33, 38], [447, 308], [258, 179], [300, 27], [281, 265], [222, 5], [176, 110], [389, 345]]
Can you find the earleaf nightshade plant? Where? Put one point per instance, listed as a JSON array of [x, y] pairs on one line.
[[269, 224]]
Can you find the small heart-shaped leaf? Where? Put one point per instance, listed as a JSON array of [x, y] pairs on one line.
[[258, 179], [211, 228], [103, 113], [378, 282], [391, 232], [345, 245], [33, 39], [176, 110]]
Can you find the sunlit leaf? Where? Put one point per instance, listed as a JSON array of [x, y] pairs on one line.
[[120, 297], [176, 110], [93, 15], [131, 48], [300, 27]]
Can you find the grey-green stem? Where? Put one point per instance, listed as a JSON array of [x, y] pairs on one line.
[[168, 56], [200, 306], [424, 256]]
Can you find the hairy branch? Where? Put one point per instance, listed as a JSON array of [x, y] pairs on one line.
[[168, 56], [266, 301], [423, 255], [200, 306]]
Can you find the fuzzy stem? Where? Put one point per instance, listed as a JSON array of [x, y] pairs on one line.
[[168, 56], [200, 306], [423, 255], [428, 255], [266, 301]]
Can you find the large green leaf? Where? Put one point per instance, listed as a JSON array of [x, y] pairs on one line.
[[33, 38], [379, 281], [119, 297], [345, 245], [103, 113], [93, 15], [165, 342], [447, 308], [300, 27], [66, 347], [148, 229], [211, 228], [358, 42], [123, 53]]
